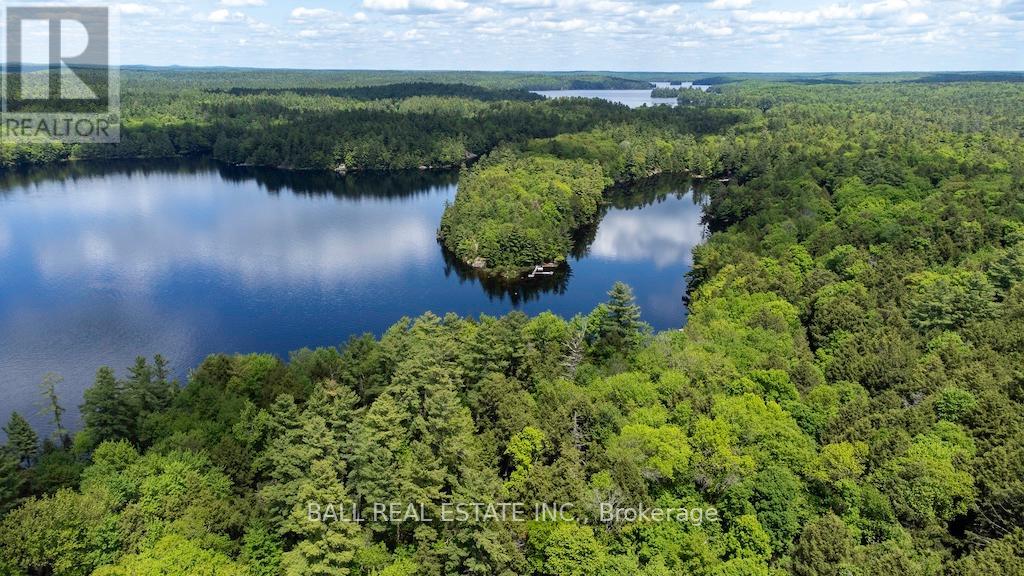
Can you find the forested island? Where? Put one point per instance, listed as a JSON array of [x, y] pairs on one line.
[[846, 394]]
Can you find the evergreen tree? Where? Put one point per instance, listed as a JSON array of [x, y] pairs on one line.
[[11, 479], [139, 387], [325, 547], [261, 551], [336, 404], [621, 329], [160, 372], [22, 440], [146, 389], [377, 442], [52, 406], [823, 547], [106, 412]]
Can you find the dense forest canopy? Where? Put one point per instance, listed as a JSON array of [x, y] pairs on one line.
[[846, 395]]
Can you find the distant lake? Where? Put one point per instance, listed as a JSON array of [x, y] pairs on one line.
[[631, 98], [103, 262]]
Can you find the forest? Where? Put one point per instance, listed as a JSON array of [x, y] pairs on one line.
[[846, 393], [342, 121], [519, 208]]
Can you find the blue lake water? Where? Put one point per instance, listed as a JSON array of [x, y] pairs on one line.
[[631, 98], [103, 262]]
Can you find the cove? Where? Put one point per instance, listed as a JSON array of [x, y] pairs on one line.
[[101, 262]]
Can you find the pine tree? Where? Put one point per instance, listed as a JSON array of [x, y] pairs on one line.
[[146, 388], [325, 547], [160, 369], [623, 310], [286, 458], [11, 479], [376, 444], [22, 439], [52, 406], [621, 327], [140, 386], [336, 404], [261, 551], [106, 411]]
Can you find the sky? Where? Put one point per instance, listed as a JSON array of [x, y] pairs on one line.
[[624, 35]]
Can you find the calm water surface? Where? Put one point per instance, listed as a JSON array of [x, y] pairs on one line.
[[631, 98], [100, 263]]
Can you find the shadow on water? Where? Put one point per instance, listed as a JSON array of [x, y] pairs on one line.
[[315, 183], [103, 261], [634, 196], [517, 291]]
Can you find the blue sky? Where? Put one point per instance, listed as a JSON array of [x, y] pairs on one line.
[[707, 35]]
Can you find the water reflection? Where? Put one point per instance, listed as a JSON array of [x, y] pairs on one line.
[[665, 236], [516, 291], [389, 185], [631, 98], [103, 262], [628, 231], [397, 184]]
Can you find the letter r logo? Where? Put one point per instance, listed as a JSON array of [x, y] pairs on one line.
[[57, 59]]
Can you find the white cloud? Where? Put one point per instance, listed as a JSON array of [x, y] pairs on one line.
[[834, 13], [528, 3], [224, 15], [132, 9], [301, 13], [563, 25], [716, 29], [916, 19], [562, 34], [414, 5], [729, 4], [479, 13]]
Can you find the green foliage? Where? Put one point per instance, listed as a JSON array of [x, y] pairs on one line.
[[619, 328], [106, 412], [22, 441], [523, 450], [11, 479], [824, 548], [516, 212], [174, 556], [846, 392], [67, 533], [930, 482]]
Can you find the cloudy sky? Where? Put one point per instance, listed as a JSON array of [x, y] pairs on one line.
[[680, 35]]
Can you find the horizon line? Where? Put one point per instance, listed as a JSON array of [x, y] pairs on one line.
[[7, 65]]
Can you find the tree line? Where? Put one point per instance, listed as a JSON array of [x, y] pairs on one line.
[[846, 392]]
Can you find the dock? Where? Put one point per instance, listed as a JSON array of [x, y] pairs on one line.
[[540, 271]]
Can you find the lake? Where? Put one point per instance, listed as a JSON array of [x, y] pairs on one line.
[[103, 262], [631, 98]]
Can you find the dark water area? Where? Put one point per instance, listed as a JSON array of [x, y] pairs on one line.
[[102, 262]]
